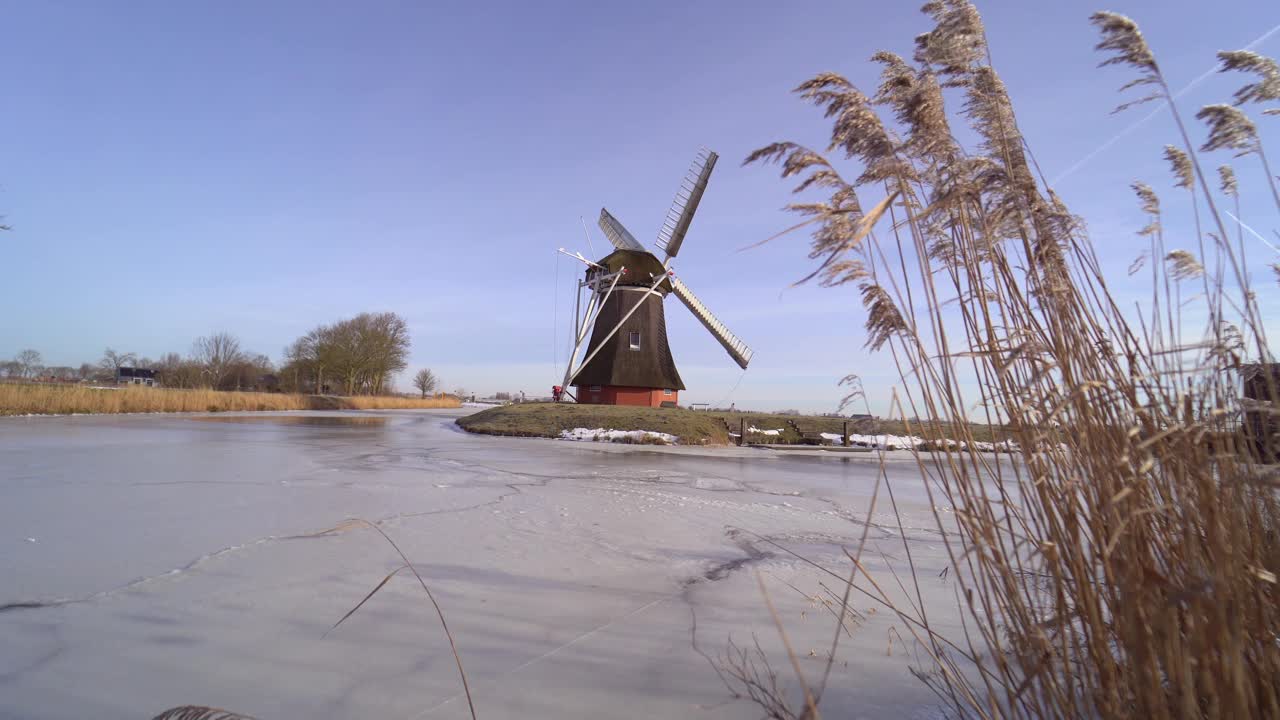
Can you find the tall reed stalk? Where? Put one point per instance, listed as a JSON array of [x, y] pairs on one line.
[[1125, 565]]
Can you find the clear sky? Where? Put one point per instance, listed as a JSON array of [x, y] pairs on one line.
[[174, 169]]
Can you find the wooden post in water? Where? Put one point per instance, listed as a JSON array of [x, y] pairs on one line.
[[844, 439], [742, 430]]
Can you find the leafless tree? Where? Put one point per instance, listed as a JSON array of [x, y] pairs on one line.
[[61, 372], [11, 368], [29, 362], [112, 361], [174, 371], [361, 354], [425, 381], [86, 371], [254, 371], [217, 354], [308, 360]]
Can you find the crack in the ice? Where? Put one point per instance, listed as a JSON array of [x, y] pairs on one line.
[[35, 664], [329, 532], [888, 532]]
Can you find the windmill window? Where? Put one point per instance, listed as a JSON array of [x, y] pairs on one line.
[[594, 388], [667, 391], [635, 340]]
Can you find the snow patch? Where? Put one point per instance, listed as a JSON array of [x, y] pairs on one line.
[[623, 436], [913, 442], [758, 431]]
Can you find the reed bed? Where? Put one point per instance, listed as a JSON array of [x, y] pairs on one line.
[[35, 399], [388, 402], [1126, 565]]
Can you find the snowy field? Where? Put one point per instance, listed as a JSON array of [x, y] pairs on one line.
[[153, 561]]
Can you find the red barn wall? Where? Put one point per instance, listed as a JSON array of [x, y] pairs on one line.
[[620, 395]]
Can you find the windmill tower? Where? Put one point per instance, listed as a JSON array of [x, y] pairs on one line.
[[627, 360]]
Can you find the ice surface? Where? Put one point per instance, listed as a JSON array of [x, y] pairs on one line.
[[182, 562]]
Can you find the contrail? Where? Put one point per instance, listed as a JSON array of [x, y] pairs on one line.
[[1252, 231], [1143, 120]]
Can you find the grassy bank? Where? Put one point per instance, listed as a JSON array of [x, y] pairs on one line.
[[693, 428], [16, 399], [549, 419]]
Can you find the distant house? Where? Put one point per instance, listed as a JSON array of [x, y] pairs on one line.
[[136, 376]]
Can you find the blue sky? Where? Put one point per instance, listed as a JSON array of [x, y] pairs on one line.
[[174, 169]]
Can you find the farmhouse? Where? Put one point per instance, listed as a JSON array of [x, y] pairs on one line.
[[136, 376]]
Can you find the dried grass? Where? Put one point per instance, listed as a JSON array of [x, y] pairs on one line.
[[37, 399], [1126, 565]]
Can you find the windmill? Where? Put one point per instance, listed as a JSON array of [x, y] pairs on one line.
[[627, 360]]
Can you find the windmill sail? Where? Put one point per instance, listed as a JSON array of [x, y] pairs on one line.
[[617, 234], [686, 203], [737, 349]]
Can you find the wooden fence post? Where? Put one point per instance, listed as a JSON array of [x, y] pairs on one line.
[[742, 431]]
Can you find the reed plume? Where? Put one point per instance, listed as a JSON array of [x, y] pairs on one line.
[[1266, 89]]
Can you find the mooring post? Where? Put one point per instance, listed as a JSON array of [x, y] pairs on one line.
[[742, 430], [844, 439]]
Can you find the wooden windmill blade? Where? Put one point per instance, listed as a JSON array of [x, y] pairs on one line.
[[617, 234], [734, 345], [676, 224]]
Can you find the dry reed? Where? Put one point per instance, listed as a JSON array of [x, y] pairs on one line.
[[1126, 564], [37, 399]]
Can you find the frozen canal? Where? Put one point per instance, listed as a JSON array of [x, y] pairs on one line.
[[154, 561]]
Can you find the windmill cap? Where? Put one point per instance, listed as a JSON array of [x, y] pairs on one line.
[[638, 268]]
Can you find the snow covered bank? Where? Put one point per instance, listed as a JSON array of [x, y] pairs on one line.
[[913, 442], [640, 437]]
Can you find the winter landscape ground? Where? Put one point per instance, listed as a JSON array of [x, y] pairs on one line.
[[154, 561]]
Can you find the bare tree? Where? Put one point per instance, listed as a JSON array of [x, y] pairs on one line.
[[361, 354], [61, 372], [218, 354], [172, 370], [112, 361], [11, 368], [254, 371], [308, 360], [425, 381], [29, 362], [86, 371], [389, 338]]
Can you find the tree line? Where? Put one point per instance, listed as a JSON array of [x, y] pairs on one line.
[[355, 356], [215, 361]]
